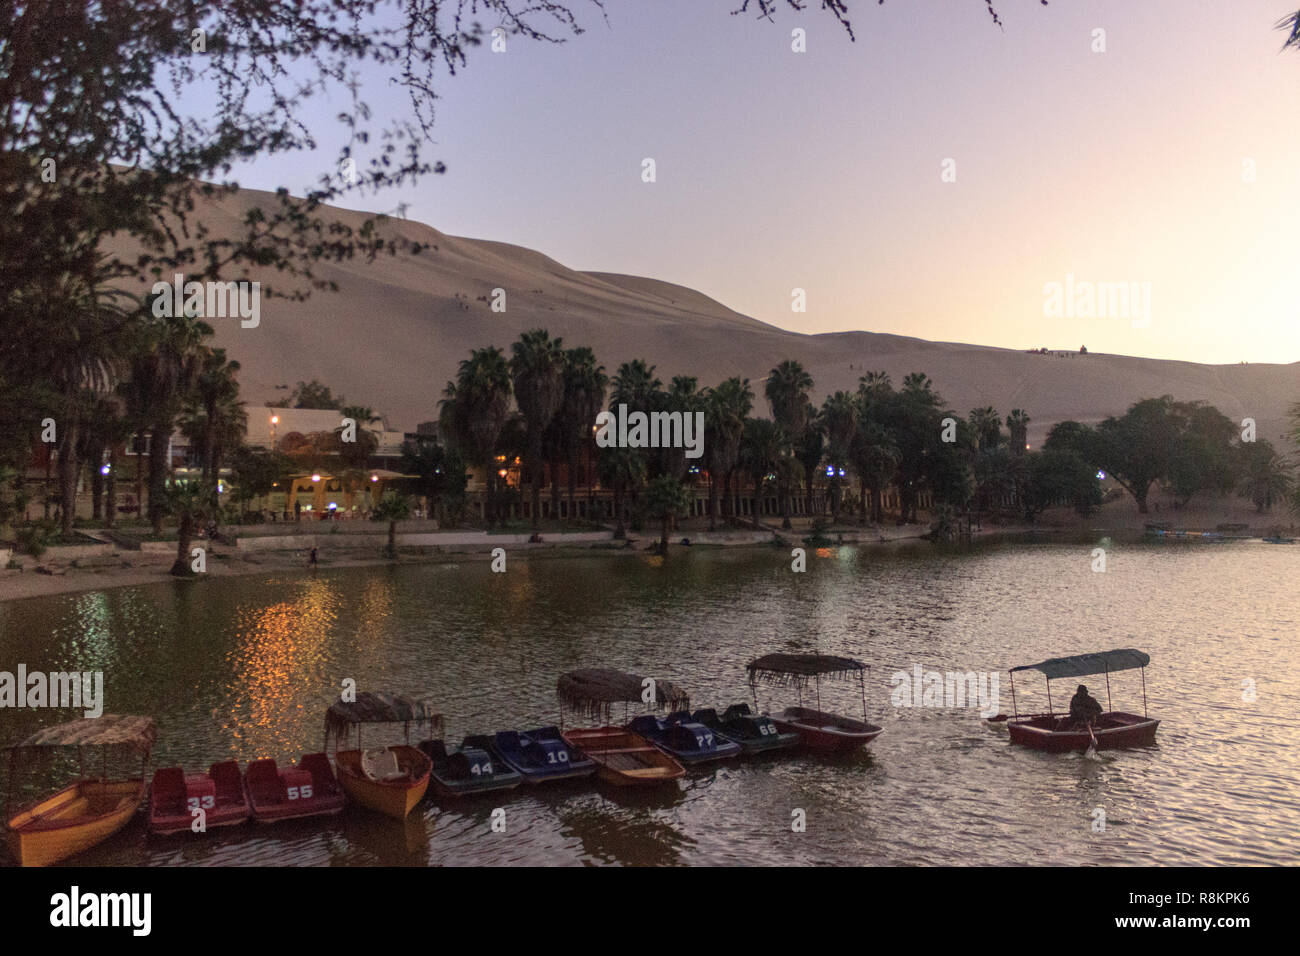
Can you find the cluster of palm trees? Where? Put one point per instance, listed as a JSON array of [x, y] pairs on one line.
[[109, 372], [886, 437]]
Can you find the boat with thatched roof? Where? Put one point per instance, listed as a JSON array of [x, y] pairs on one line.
[[89, 811], [388, 779], [624, 758], [817, 729]]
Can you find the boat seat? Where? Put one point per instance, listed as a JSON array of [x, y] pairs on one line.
[[736, 711], [230, 786], [380, 765]]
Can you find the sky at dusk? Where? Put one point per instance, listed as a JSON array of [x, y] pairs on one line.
[[821, 170]]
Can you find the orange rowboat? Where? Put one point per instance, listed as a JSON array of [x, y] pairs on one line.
[[622, 757], [388, 780], [87, 812]]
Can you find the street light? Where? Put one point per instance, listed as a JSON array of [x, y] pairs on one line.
[[275, 420]]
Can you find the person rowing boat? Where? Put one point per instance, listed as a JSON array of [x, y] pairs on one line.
[[1084, 711]]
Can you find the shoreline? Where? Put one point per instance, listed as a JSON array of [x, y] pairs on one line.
[[135, 568], [98, 570]]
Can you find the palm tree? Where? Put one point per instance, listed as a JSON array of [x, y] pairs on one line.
[[585, 383], [82, 320], [537, 370], [1265, 475], [726, 408], [988, 427], [840, 415], [361, 414], [190, 503], [787, 389], [392, 508], [665, 499], [474, 410], [635, 386], [1018, 425], [621, 470], [163, 368], [875, 459], [762, 446], [810, 450], [214, 418]]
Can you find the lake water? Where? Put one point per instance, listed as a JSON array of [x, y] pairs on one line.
[[245, 667]]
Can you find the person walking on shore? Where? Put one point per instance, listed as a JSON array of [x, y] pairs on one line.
[[311, 560]]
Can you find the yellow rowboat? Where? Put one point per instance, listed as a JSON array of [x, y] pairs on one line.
[[74, 819], [390, 780], [87, 812]]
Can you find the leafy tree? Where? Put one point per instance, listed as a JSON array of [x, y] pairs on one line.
[[315, 394], [441, 472], [255, 473], [1058, 475], [621, 470]]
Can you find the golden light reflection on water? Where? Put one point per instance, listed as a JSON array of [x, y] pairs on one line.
[[278, 651]]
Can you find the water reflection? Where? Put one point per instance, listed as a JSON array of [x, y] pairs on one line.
[[244, 667]]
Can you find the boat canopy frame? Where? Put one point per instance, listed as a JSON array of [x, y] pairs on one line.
[[122, 733], [798, 670], [379, 707], [594, 690], [1083, 665]]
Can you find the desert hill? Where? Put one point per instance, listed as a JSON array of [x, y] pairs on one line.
[[395, 332]]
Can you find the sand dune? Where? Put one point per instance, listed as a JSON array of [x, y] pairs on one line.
[[395, 332]]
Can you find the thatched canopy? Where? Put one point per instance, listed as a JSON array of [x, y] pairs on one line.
[[109, 730], [591, 690], [795, 670], [379, 707]]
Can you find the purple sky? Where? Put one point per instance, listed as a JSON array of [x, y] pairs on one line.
[[821, 170]]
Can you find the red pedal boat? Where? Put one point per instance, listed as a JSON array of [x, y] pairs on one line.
[[1058, 733], [175, 796], [817, 730], [308, 789]]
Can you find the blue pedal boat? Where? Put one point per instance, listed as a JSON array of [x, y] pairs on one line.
[[756, 733], [541, 755], [469, 769], [679, 736]]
